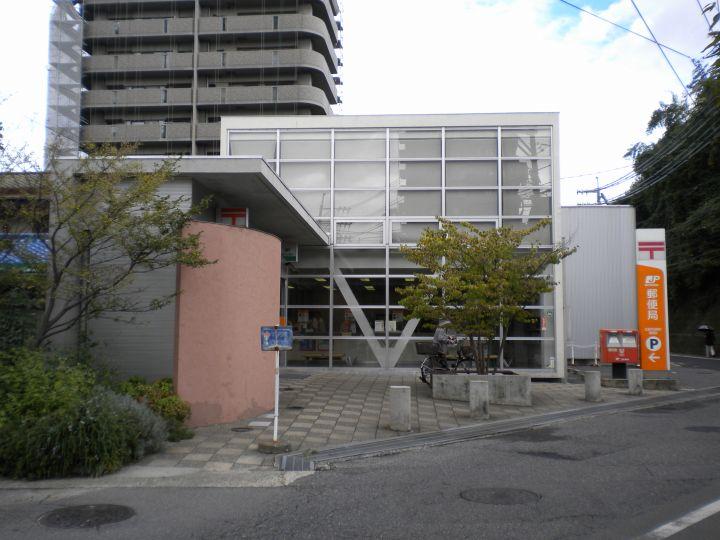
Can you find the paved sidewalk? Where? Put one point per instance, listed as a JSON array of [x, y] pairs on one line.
[[335, 408]]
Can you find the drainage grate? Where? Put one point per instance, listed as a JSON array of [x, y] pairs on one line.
[[500, 496], [295, 408], [86, 516], [241, 429], [295, 462], [287, 389]]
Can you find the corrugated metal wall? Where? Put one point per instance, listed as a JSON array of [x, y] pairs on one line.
[[147, 347], [599, 279]]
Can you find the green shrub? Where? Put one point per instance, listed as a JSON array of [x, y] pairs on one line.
[[160, 397], [33, 385], [150, 428], [55, 421]]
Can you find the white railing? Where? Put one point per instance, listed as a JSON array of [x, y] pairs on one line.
[[594, 346]]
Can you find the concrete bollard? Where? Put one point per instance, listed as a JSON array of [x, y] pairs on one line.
[[635, 382], [592, 386], [479, 399], [400, 408]]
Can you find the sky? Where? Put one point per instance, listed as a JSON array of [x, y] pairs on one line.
[[467, 56]]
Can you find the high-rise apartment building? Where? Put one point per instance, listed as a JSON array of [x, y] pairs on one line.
[[161, 73]]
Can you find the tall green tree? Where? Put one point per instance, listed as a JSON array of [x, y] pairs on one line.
[[101, 223], [480, 280], [678, 189]]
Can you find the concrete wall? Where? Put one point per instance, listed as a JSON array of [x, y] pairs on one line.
[[219, 368], [600, 277]]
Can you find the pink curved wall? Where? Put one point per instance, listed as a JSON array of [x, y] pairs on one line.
[[219, 368]]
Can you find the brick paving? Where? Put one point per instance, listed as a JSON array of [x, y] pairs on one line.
[[334, 408]]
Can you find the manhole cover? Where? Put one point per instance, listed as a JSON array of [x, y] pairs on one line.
[[500, 496], [704, 429], [86, 516], [295, 408], [241, 429]]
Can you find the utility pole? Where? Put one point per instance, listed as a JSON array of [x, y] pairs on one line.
[[600, 198]]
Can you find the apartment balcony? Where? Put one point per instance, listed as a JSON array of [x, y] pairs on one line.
[[265, 95], [151, 62], [286, 59], [305, 25], [137, 97], [103, 30], [208, 132], [120, 133]]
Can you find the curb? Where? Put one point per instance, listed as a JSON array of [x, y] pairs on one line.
[[310, 461]]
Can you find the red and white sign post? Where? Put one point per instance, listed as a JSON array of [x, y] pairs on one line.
[[652, 299]]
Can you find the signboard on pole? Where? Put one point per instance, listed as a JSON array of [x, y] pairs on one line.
[[651, 271], [276, 338]]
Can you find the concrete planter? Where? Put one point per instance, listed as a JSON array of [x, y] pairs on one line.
[[504, 389]]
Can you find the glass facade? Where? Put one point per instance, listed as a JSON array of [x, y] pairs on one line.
[[376, 189]]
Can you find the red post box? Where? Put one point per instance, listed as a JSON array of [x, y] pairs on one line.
[[619, 347]]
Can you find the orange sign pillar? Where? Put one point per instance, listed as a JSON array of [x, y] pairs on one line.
[[651, 267]]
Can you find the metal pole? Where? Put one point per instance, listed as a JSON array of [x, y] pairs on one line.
[[277, 394], [572, 354]]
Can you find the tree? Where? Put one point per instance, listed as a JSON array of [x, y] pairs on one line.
[[481, 281], [678, 189], [100, 223]]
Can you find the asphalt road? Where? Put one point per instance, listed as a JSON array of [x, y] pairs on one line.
[[695, 372], [616, 476]]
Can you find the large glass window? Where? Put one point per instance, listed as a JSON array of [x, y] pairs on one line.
[[256, 143], [415, 203], [305, 145], [305, 175], [367, 291], [359, 203], [309, 322], [311, 260], [359, 175], [542, 325], [470, 143], [345, 323], [530, 142], [408, 232], [527, 202], [309, 291], [399, 264], [527, 172], [315, 202], [351, 352], [359, 261], [471, 173], [530, 354], [415, 174], [310, 352], [359, 144], [471, 203], [542, 236], [359, 232], [415, 144]]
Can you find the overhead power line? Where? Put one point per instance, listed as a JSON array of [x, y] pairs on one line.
[[594, 173], [662, 153], [702, 12], [670, 168], [625, 28], [662, 51]]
